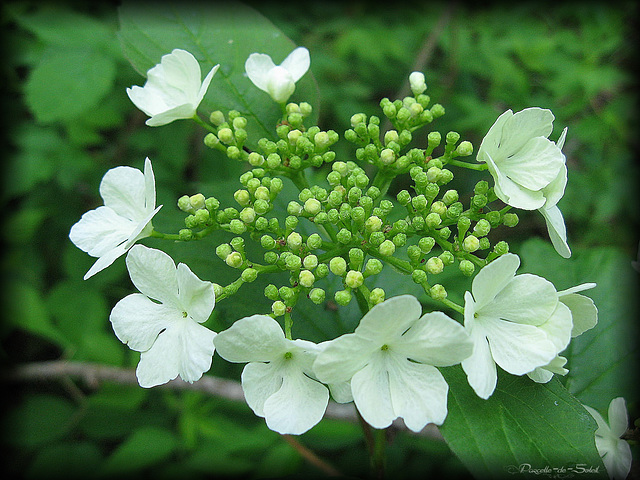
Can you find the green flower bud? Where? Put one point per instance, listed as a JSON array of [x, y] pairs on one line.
[[344, 236], [334, 178], [435, 265], [437, 110], [237, 227], [464, 149], [376, 296], [419, 276], [387, 156], [426, 244], [234, 260], [210, 140], [242, 197], [482, 228], [322, 270], [400, 239], [372, 267], [391, 136], [184, 204], [294, 241], [312, 206], [358, 215], [338, 266], [446, 257], [404, 197], [237, 243], [376, 239], [314, 241], [418, 223], [501, 248], [253, 184], [217, 118], [438, 292], [373, 224], [481, 188], [310, 261], [354, 279], [261, 206], [287, 294], [291, 222], [185, 234], [267, 242], [467, 267], [275, 187], [223, 250], [455, 210], [306, 278], [444, 233], [431, 191], [438, 207], [305, 109], [387, 248], [271, 257], [471, 244], [248, 215], [356, 257], [449, 197], [493, 218], [271, 292], [278, 308], [419, 202], [479, 200], [255, 159], [212, 204], [510, 219], [433, 220], [414, 253], [317, 295], [225, 135], [358, 118], [342, 297], [249, 275], [273, 161], [485, 243]]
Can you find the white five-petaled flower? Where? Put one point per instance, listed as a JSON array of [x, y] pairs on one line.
[[278, 381], [528, 169], [584, 315], [163, 322], [515, 321], [129, 205], [391, 360], [615, 452], [279, 81], [173, 89]]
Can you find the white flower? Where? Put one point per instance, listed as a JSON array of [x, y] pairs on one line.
[[278, 381], [584, 316], [129, 205], [515, 321], [528, 169], [278, 81], [417, 82], [164, 320], [391, 359], [615, 452], [173, 89]]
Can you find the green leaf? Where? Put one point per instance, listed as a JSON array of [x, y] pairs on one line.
[[612, 340], [65, 460], [146, 447], [68, 82], [215, 34], [522, 423]]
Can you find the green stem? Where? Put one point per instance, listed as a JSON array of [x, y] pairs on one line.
[[203, 124], [165, 236], [382, 180], [470, 166], [288, 322], [379, 458], [299, 180]]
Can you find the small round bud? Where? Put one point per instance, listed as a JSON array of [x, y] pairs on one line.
[[342, 297], [225, 135], [294, 241], [338, 266], [404, 197], [287, 294], [271, 257], [344, 236], [417, 82], [271, 292], [493, 218], [210, 140], [464, 149], [510, 219], [255, 159], [278, 308], [482, 228], [400, 239], [479, 200], [376, 296], [358, 118], [433, 220], [467, 267], [356, 257], [306, 278], [391, 136], [242, 197], [426, 244], [501, 248], [314, 241], [387, 156], [438, 292], [464, 223], [237, 227], [248, 215], [310, 261], [373, 224], [184, 204], [312, 206], [446, 257], [387, 248], [217, 118], [437, 110], [434, 265], [261, 206], [234, 260], [322, 270], [419, 276], [485, 243], [481, 188], [267, 242], [419, 202], [185, 234], [291, 222], [354, 279], [223, 250], [249, 275], [372, 267], [273, 161], [471, 244], [449, 197], [317, 295], [452, 137], [376, 239]]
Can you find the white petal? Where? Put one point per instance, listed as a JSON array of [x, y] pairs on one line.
[[562, 138], [99, 231], [137, 321], [185, 348], [206, 82], [259, 382], [555, 190], [578, 288], [147, 99], [619, 460], [491, 141], [540, 375], [343, 357], [493, 278], [435, 339], [480, 367], [196, 296], [154, 274], [535, 165], [123, 190], [583, 311], [518, 348], [524, 125], [297, 63], [512, 193], [182, 71], [106, 259], [298, 405], [372, 395], [618, 417], [179, 112], [527, 298], [257, 338], [341, 392], [603, 428], [390, 319], [418, 393], [558, 327], [557, 230], [258, 66], [280, 84], [142, 230], [149, 186]]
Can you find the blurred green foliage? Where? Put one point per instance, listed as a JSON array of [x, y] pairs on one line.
[[69, 121]]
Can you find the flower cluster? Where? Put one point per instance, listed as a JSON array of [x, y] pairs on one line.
[[349, 230]]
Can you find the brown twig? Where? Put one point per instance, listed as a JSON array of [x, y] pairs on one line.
[[311, 457]]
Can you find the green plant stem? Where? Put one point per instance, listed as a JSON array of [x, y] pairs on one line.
[[204, 124], [288, 323], [378, 459], [470, 166], [382, 180]]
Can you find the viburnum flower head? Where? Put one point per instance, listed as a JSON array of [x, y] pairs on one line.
[[615, 452], [163, 321], [173, 89], [279, 81], [528, 169], [111, 230], [515, 321], [391, 361], [278, 381]]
